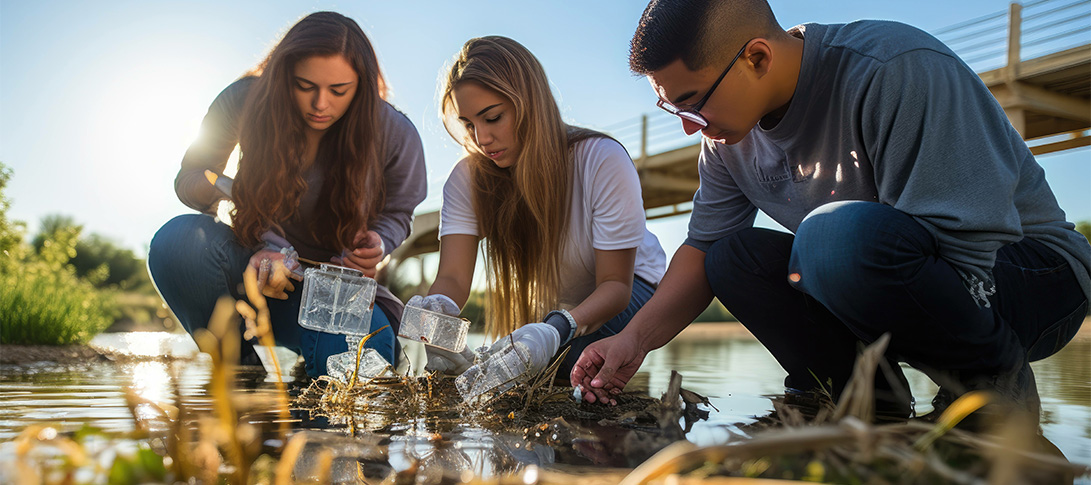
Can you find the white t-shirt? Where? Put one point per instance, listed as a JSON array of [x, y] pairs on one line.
[[607, 213]]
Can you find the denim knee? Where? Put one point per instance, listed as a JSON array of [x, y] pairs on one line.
[[193, 260], [163, 244], [842, 246], [185, 238]]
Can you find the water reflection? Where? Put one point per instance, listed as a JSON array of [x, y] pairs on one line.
[[150, 381], [731, 368], [470, 452], [736, 371]]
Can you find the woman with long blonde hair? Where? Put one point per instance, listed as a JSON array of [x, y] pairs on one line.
[[328, 168], [568, 257]]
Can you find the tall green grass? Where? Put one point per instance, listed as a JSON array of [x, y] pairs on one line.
[[42, 301], [51, 309]]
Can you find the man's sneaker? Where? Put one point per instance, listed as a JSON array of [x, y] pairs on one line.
[[1015, 390]]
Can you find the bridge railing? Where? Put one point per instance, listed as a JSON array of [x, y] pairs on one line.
[[650, 133], [1024, 31]]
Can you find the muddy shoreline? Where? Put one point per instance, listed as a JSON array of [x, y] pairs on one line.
[[62, 354]]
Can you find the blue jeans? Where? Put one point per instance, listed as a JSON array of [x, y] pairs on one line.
[[867, 269], [194, 260], [642, 292]]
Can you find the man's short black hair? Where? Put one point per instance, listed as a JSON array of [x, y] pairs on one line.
[[698, 32]]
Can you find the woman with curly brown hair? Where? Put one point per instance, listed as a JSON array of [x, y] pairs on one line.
[[326, 166]]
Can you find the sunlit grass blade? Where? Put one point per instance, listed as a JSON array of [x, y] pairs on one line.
[[954, 414]]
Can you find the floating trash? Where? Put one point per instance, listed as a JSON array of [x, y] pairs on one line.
[[433, 328], [499, 373], [339, 366]]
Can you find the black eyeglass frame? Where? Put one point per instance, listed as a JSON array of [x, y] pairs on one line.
[[693, 113]]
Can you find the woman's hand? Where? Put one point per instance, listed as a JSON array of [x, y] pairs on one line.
[[435, 303], [440, 359], [274, 277], [541, 341], [367, 254], [446, 362]]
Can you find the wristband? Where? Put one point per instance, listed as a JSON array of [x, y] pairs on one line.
[[563, 322]]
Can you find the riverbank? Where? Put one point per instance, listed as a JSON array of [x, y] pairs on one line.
[[23, 354]]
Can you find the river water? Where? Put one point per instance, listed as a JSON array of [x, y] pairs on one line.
[[720, 361]]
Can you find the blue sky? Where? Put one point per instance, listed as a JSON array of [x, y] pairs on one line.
[[99, 100]]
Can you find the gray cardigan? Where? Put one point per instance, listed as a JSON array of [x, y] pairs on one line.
[[404, 177]]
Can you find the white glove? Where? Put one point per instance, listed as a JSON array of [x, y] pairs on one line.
[[447, 362], [540, 339], [435, 303], [441, 360]]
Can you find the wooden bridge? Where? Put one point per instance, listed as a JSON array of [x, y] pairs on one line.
[[1035, 58]]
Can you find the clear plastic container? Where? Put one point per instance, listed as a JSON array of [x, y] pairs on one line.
[[500, 372], [337, 300], [435, 329], [339, 366]]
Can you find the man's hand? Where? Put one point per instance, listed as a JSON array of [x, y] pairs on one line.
[[273, 275], [606, 366], [366, 256]]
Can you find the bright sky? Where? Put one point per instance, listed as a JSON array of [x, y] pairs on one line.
[[99, 100]]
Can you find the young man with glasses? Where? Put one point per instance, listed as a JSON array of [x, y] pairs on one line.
[[916, 208]]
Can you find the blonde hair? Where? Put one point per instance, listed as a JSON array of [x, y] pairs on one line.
[[522, 211]]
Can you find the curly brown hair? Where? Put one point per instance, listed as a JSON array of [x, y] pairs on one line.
[[270, 181]]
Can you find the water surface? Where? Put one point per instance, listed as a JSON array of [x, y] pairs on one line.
[[730, 367]]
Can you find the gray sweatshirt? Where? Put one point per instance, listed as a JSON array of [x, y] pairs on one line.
[[885, 112], [404, 176]]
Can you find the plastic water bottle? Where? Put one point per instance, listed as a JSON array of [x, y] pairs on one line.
[[500, 372], [339, 366], [337, 300], [433, 328]]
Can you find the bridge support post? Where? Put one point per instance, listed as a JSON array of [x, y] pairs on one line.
[[1017, 115], [1015, 35]]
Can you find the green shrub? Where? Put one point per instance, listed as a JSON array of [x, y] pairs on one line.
[[125, 271], [42, 300], [52, 224]]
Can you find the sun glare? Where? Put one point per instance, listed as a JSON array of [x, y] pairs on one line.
[[137, 129]]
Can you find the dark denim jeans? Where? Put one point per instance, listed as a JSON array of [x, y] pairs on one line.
[[867, 269], [194, 260], [642, 292]]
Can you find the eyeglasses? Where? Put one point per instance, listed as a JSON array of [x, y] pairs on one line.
[[693, 113]]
